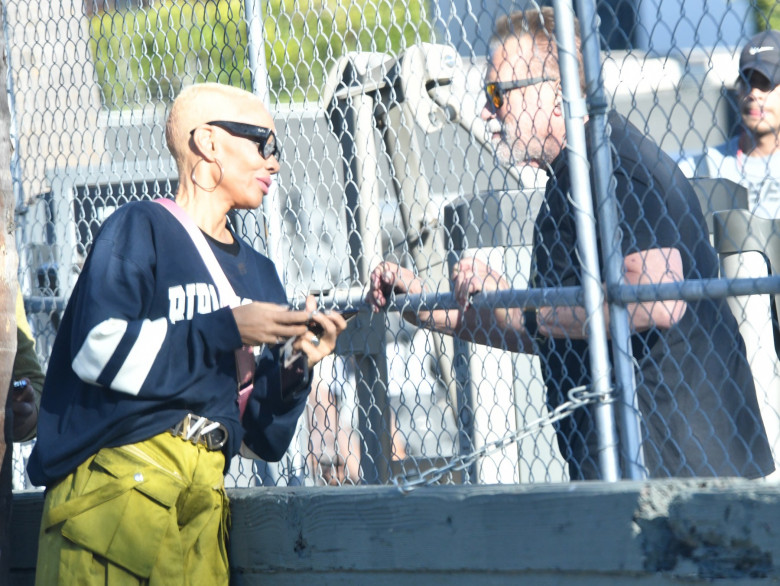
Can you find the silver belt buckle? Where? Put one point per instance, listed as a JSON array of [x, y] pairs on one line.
[[199, 430]]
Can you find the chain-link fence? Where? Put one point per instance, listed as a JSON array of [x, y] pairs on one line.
[[378, 106]]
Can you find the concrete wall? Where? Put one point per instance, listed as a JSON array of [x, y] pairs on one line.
[[661, 532]]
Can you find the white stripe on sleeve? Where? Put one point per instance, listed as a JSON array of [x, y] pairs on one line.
[[98, 349], [141, 357]]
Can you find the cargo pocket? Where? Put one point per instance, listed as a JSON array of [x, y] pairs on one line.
[[125, 519]]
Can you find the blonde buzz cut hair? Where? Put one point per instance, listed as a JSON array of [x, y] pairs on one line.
[[196, 105]]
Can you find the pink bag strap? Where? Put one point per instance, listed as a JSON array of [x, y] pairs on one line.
[[245, 357], [227, 296]]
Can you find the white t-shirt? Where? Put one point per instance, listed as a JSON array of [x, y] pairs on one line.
[[760, 175]]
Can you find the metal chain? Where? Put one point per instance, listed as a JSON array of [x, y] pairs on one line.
[[578, 397]]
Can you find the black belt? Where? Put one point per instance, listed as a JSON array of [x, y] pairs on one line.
[[201, 431]]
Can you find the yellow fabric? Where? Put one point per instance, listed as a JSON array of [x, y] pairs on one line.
[[151, 513], [26, 363], [21, 317]]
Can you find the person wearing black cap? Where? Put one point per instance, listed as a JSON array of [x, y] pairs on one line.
[[752, 157]]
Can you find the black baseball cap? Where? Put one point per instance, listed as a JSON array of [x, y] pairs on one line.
[[762, 54]]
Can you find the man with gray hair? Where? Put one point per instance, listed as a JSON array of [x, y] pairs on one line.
[[694, 386]]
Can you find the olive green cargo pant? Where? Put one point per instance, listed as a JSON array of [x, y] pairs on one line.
[[151, 513]]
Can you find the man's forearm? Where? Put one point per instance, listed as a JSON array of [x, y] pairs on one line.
[[571, 322], [502, 328]]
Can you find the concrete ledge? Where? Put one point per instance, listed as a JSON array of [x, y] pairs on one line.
[[660, 532]]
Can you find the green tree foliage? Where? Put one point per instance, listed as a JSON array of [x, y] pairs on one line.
[[308, 35], [147, 54], [767, 14]]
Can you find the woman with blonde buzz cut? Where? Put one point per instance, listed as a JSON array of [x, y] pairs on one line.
[[167, 361]]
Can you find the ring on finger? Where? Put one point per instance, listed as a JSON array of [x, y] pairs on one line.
[[315, 341]]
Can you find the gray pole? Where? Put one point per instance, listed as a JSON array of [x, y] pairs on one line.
[[593, 297], [601, 158], [16, 170], [352, 118], [271, 218], [256, 50]]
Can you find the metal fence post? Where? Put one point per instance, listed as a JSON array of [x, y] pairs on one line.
[[574, 115], [418, 66], [351, 115], [604, 190], [267, 217]]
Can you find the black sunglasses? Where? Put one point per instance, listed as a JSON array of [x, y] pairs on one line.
[[496, 90], [751, 78], [264, 137]]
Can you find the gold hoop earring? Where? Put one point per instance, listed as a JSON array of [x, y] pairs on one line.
[[221, 175]]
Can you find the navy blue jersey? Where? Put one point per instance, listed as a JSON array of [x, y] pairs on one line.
[[144, 341]]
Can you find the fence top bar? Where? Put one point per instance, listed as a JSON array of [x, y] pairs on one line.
[[688, 290]]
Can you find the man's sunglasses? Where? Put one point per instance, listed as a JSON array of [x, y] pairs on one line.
[[264, 137], [496, 90], [753, 79]]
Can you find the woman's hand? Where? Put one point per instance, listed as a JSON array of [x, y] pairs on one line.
[[313, 332], [268, 323], [323, 329]]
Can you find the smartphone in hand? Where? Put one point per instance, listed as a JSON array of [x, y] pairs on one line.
[[316, 329]]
